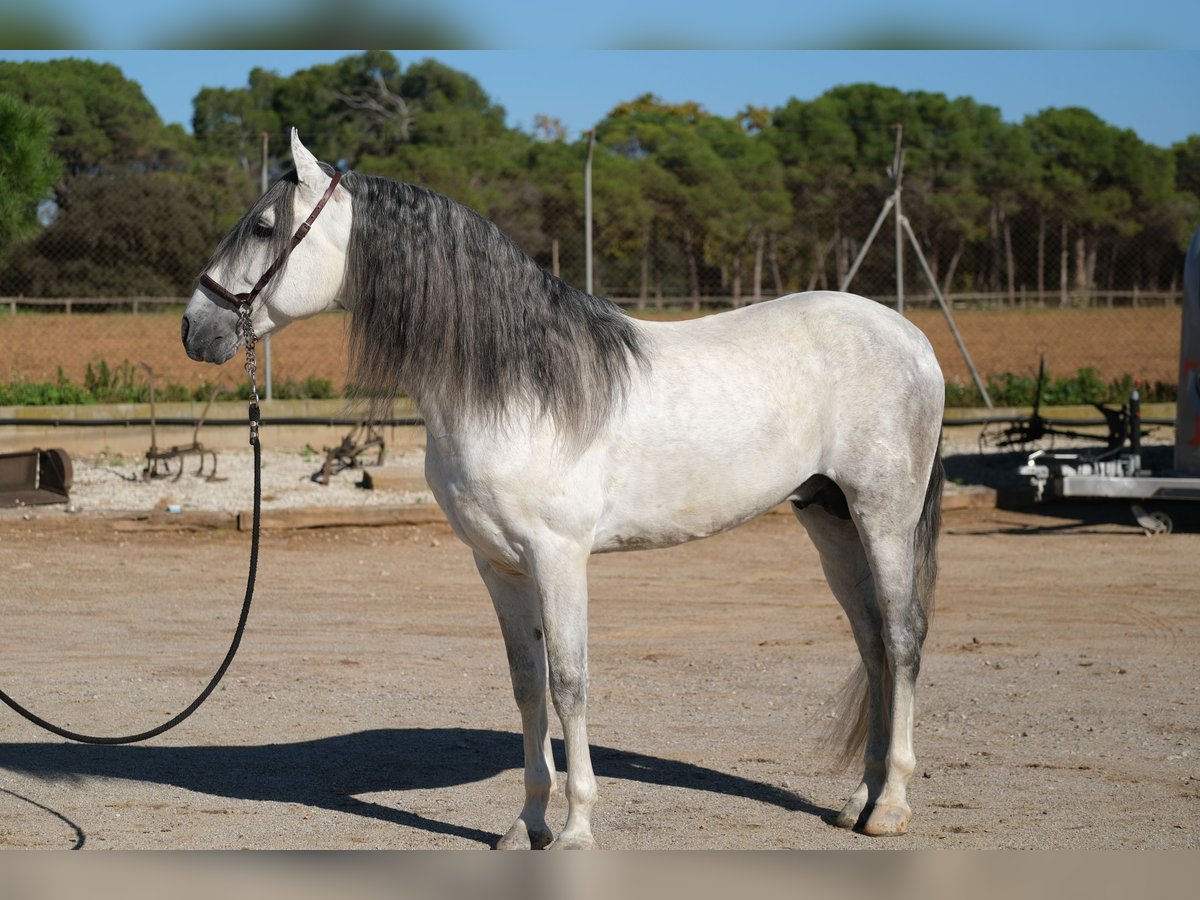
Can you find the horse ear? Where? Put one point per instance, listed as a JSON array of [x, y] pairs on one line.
[[308, 170]]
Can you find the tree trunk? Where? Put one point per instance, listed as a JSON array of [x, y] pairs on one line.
[[736, 281], [1081, 275], [842, 257], [818, 276], [1064, 258], [953, 265], [693, 268], [658, 292], [994, 234], [775, 273], [644, 287], [1009, 265], [818, 259], [1041, 258], [759, 251]]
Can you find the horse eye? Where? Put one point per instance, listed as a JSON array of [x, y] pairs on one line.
[[263, 230]]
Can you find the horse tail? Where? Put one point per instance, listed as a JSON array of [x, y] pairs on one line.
[[925, 538], [847, 737]]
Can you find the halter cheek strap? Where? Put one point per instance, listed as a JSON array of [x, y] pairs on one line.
[[244, 299]]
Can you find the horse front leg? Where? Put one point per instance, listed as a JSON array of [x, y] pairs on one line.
[[518, 609], [562, 585]]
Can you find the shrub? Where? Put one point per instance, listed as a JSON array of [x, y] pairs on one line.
[[1085, 387], [126, 384]]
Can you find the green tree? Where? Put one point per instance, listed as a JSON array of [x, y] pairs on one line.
[[128, 235], [139, 207], [101, 119], [363, 106], [710, 186], [428, 124], [1187, 165], [835, 151], [28, 168], [1144, 244], [231, 122], [1081, 168]]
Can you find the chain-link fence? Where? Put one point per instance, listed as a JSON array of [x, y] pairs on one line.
[[97, 294]]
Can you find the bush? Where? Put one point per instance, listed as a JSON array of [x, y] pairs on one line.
[[57, 393], [1085, 387], [108, 386], [126, 384]]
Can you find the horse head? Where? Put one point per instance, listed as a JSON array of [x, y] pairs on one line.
[[283, 273]]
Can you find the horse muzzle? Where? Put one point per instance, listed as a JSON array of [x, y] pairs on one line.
[[202, 345]]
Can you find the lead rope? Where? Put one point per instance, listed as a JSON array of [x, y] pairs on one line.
[[248, 337]]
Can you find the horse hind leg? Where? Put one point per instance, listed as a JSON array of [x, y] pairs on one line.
[[903, 631], [519, 612], [897, 541], [862, 724], [903, 556]]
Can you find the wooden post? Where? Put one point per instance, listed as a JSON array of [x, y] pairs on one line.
[[587, 213]]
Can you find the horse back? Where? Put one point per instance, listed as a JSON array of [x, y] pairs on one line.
[[739, 409]]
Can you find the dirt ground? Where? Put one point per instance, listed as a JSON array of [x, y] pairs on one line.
[[34, 346], [369, 706]]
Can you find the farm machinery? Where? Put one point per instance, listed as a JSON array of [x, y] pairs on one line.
[[159, 462], [1117, 470]]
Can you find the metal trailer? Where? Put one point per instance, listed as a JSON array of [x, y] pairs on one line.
[[1118, 473]]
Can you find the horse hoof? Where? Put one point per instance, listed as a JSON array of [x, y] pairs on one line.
[[852, 812], [519, 837], [847, 819], [584, 842], [886, 821]]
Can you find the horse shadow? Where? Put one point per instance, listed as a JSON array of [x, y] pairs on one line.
[[329, 773]]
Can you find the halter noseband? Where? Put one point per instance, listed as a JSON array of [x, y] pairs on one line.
[[245, 299]]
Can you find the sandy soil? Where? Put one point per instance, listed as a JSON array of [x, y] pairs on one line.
[[369, 706]]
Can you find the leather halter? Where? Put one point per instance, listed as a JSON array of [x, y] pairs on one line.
[[245, 299]]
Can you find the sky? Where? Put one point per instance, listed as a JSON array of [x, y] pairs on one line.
[[746, 24], [1153, 92]]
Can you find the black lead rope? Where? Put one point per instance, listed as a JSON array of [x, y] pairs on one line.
[[237, 634]]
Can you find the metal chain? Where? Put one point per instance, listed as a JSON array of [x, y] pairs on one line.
[[248, 340]]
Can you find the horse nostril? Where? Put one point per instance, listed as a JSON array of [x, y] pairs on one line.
[[183, 329]]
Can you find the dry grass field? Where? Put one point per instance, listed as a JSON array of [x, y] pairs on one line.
[[1141, 342]]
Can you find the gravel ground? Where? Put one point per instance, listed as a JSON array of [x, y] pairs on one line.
[[113, 483], [104, 484], [370, 707]]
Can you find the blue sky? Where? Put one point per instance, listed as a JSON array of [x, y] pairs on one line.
[[1153, 92], [746, 24]]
